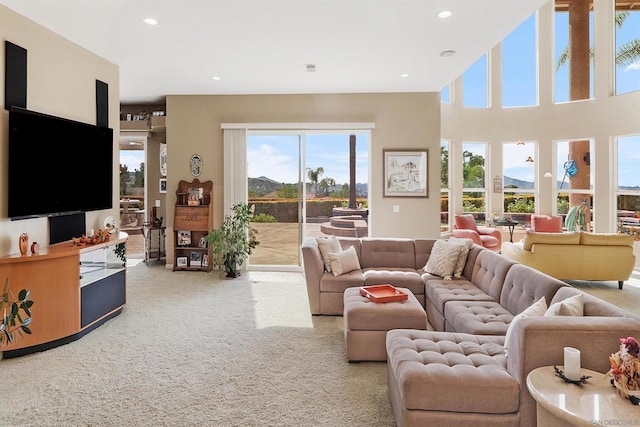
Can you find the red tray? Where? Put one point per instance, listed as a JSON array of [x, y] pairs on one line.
[[383, 293]]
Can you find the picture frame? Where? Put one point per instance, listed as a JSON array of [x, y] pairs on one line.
[[181, 261], [195, 196], [162, 185], [195, 165], [203, 242], [205, 260], [184, 237], [406, 173], [195, 259]]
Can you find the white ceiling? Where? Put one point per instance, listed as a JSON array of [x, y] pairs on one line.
[[263, 46]]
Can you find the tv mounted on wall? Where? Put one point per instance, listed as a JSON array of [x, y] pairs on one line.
[[57, 166]]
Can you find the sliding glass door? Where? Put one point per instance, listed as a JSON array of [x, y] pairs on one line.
[[299, 182]]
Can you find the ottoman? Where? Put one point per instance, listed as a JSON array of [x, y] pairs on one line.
[[452, 379], [366, 323]]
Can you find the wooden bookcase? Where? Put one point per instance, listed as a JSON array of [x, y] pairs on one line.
[[192, 221]]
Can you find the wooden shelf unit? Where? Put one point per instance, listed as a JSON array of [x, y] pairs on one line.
[[197, 222]]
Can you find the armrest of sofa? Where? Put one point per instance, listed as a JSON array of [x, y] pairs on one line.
[[313, 271], [467, 234]]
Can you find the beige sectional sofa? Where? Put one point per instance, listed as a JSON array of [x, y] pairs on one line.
[[460, 374], [576, 255]]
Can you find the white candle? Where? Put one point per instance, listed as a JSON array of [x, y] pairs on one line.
[[572, 363], [90, 232]]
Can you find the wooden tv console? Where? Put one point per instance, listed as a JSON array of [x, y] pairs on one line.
[[74, 290]]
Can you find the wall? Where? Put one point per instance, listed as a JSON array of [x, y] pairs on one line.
[[402, 120], [60, 81]]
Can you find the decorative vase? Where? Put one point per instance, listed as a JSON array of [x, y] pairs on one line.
[[35, 248], [231, 266], [23, 243]]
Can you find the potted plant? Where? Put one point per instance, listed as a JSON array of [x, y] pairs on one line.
[[12, 321], [234, 240]]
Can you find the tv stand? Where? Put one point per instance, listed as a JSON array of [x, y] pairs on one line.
[[74, 290]]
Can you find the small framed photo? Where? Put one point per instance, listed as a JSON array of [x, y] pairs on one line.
[[195, 196], [184, 237], [163, 185], [203, 242], [205, 260], [405, 173], [196, 259], [181, 261]]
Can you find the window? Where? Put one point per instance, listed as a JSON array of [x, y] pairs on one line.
[[519, 175], [628, 185], [474, 186], [575, 188], [627, 54], [519, 66], [474, 84], [445, 95], [563, 55], [445, 204]]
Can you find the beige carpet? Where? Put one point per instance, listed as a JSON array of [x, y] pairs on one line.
[[191, 349], [194, 349]]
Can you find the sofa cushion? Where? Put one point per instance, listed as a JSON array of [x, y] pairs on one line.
[[572, 306], [401, 277], [344, 261], [606, 239], [443, 259], [546, 223], [537, 309], [440, 371], [328, 245], [523, 286], [439, 292], [477, 317], [387, 253], [465, 246], [570, 238], [331, 283]]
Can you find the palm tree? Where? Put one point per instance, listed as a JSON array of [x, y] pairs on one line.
[[314, 175], [352, 172]]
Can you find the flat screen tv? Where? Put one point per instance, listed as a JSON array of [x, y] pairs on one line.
[[57, 166]]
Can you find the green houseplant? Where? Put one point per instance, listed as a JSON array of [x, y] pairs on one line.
[[12, 321], [234, 240]]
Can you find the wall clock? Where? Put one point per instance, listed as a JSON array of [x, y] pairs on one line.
[[196, 165]]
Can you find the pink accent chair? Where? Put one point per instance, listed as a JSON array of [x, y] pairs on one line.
[[465, 227], [546, 223]]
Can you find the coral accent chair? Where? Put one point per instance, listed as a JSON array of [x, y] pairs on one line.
[[546, 223], [465, 227]]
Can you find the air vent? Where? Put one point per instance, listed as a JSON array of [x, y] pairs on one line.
[[311, 68]]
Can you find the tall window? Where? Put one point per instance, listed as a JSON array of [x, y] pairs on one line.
[[519, 175], [445, 95], [574, 187], [519, 66], [628, 185], [474, 84], [581, 36], [445, 204], [627, 54], [474, 192]]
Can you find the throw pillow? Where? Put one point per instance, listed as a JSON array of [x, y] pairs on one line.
[[537, 309], [344, 262], [465, 246], [572, 306], [328, 245], [442, 259]]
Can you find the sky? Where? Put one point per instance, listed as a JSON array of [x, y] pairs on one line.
[[276, 157]]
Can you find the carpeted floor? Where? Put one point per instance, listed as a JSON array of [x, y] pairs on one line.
[[197, 349], [192, 349]]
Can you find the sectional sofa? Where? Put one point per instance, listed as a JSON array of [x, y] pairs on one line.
[[460, 373]]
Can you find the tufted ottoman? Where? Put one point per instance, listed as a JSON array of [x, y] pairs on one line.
[[452, 379], [366, 323]]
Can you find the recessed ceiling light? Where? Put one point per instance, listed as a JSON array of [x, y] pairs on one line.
[[447, 53], [215, 78], [150, 21], [445, 14], [404, 75]]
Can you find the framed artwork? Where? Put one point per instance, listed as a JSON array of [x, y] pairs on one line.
[[163, 185], [196, 259], [184, 237], [405, 173], [195, 165], [203, 242], [181, 261]]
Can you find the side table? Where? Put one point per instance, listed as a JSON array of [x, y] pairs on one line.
[[510, 224], [149, 250], [593, 403]]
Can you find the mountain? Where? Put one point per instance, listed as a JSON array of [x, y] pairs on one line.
[[263, 185]]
